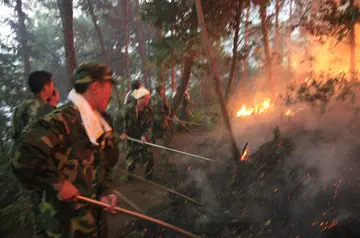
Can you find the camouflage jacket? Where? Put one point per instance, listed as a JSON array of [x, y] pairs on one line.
[[160, 105], [56, 148], [136, 125], [26, 113]]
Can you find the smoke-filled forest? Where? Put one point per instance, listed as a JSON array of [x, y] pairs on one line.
[[266, 144]]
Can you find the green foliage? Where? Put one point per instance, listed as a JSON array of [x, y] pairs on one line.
[[321, 91], [180, 17], [334, 19], [14, 203]]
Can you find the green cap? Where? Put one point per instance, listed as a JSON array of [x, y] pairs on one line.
[[90, 72]]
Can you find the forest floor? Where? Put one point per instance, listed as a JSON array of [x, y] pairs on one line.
[[301, 182]]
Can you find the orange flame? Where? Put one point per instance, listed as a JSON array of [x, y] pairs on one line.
[[244, 155], [258, 109], [289, 113]]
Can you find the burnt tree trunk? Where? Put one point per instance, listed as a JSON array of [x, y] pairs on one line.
[[98, 32], [216, 76], [266, 44], [23, 39], [235, 52], [245, 63], [66, 13], [141, 46]]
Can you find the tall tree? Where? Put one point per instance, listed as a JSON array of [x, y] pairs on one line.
[[352, 41], [66, 13], [289, 36], [23, 38], [236, 26], [161, 73], [140, 36], [207, 48], [245, 62], [277, 34], [173, 72], [98, 31], [266, 43], [127, 73]]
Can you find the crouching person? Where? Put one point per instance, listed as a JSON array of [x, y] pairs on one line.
[[71, 152]]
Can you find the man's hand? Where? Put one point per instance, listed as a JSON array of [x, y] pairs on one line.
[[143, 139], [111, 200], [123, 136], [68, 192]]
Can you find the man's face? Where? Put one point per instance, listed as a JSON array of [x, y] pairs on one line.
[[55, 98], [102, 93], [162, 91], [144, 101], [49, 89]]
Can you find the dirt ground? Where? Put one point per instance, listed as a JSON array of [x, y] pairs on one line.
[[147, 197]]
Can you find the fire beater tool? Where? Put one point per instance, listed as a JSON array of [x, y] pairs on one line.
[[138, 215], [170, 149]]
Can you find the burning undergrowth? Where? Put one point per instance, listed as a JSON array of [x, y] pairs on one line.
[[302, 182]]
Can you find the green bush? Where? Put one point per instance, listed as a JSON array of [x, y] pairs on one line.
[[15, 205]]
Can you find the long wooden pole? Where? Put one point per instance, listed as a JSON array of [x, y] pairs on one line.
[[166, 148], [162, 187], [138, 215]]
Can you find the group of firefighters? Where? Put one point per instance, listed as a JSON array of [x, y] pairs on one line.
[[62, 153]]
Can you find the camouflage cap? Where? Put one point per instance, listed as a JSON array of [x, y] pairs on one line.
[[90, 72]]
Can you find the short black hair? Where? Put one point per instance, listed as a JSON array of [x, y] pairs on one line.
[[135, 84], [81, 88], [38, 79]]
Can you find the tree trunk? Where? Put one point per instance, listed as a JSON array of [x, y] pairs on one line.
[[276, 41], [216, 76], [161, 73], [245, 63], [289, 36], [189, 61], [98, 31], [266, 45], [66, 13], [23, 39], [173, 72], [142, 47], [352, 43], [127, 73], [235, 52]]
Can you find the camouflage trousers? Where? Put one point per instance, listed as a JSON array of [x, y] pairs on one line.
[[35, 198], [162, 130], [72, 220], [135, 153]]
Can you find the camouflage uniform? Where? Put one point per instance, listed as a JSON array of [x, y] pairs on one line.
[[57, 148], [160, 106], [26, 114], [136, 126]]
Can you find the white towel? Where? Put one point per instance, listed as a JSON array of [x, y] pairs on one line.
[[95, 125]]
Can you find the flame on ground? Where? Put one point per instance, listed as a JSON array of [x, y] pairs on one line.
[[256, 110], [244, 155], [289, 113]]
